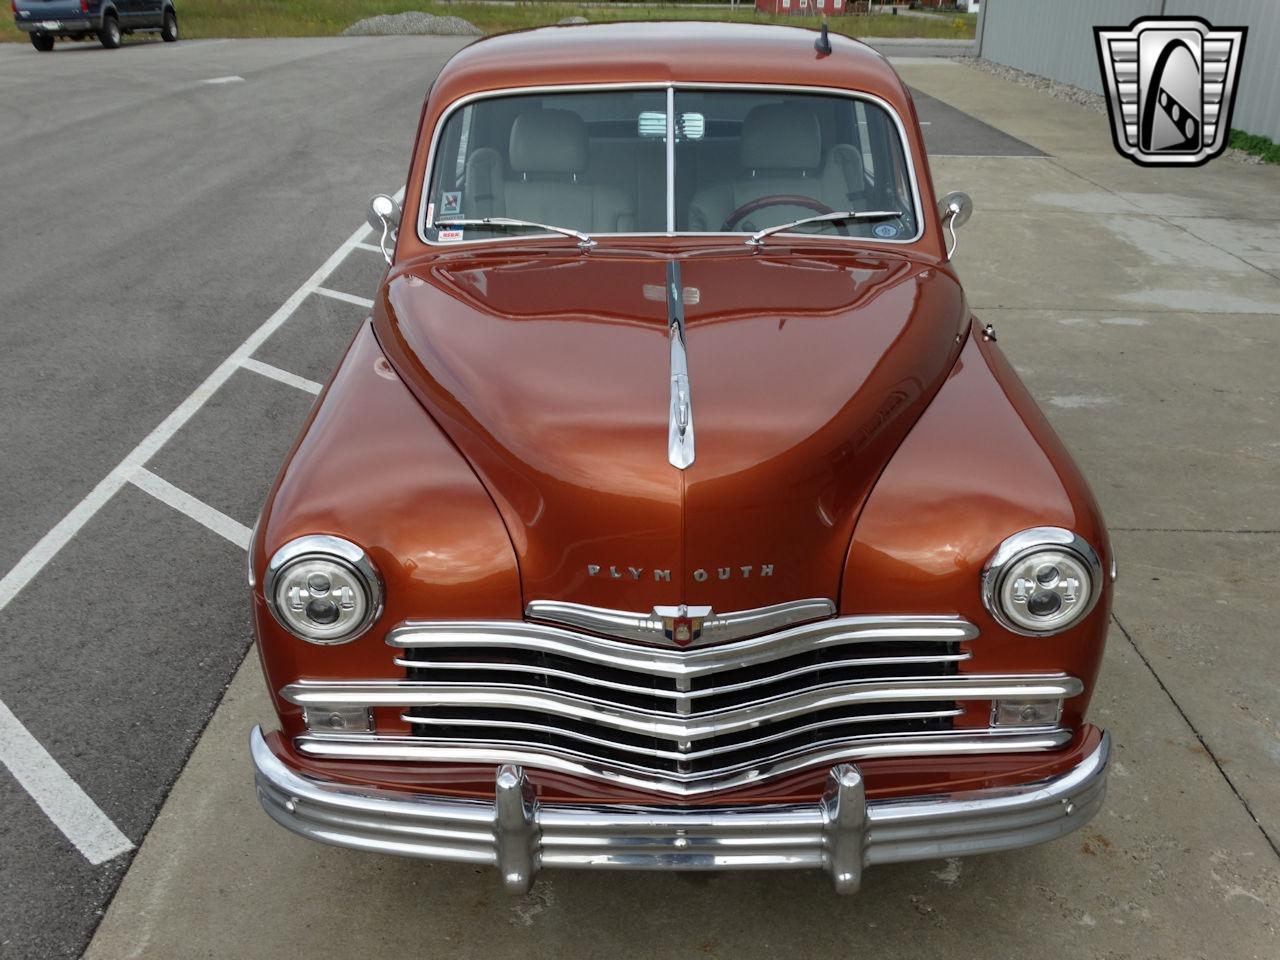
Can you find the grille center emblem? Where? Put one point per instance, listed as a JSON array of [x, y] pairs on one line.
[[682, 624]]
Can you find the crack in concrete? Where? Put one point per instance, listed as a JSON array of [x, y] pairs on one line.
[[1271, 841]]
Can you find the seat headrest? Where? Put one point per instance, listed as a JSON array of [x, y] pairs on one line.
[[548, 141], [779, 136]]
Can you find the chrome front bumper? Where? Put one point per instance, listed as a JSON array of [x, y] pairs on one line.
[[842, 834]]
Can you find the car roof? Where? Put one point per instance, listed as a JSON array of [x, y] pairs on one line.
[[662, 52]]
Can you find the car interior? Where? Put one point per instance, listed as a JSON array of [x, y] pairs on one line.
[[744, 161]]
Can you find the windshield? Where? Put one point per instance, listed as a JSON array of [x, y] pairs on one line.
[[597, 162]]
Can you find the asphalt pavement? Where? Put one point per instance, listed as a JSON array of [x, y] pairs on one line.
[[153, 219], [178, 272]]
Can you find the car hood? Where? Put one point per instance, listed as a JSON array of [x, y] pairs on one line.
[[550, 372]]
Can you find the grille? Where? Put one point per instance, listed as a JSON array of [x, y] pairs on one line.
[[681, 712]]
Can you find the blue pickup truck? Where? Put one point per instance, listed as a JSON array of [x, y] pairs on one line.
[[108, 20]]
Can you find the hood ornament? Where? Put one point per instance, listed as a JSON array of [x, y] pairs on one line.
[[680, 416]]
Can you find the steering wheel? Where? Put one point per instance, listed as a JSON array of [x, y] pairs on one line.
[[779, 200]]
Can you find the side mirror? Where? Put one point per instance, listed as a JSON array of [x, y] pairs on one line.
[[384, 215], [954, 210]]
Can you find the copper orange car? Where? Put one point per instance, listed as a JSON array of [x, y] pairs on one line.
[[671, 509]]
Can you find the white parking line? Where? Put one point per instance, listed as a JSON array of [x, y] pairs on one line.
[[344, 297], [284, 376], [197, 510], [60, 797], [231, 79], [69, 807]]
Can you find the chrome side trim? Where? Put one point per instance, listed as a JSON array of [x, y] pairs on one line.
[[842, 834], [680, 452], [953, 743], [649, 627], [680, 664], [908, 156]]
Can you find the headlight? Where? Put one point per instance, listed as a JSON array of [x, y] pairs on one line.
[[1042, 581], [323, 589]]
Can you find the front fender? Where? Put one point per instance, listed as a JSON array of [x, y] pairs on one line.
[[371, 466], [981, 464]]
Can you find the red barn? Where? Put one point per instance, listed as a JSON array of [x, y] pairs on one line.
[[802, 7]]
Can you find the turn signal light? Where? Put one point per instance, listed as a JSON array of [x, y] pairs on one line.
[[1025, 713], [338, 719]]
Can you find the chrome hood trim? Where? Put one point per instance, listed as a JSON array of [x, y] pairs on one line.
[[680, 451]]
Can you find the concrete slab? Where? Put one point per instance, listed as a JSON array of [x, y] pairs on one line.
[[1033, 184], [1172, 867], [1171, 416], [1054, 126], [1111, 262], [1201, 608]]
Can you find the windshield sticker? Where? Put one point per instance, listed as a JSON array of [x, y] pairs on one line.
[[448, 236], [885, 231], [431, 214], [451, 203]]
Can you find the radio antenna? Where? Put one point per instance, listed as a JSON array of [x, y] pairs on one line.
[[823, 43]]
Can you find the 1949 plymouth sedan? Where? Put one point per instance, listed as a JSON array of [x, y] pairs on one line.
[[671, 510]]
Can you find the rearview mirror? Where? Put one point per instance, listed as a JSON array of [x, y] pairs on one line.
[[954, 210], [384, 215], [689, 126]]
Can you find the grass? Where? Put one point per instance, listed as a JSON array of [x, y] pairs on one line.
[[322, 18], [1254, 143]]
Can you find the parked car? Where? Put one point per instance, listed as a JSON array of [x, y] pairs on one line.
[[671, 510], [109, 20]]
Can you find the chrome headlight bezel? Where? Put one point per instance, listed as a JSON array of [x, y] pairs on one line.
[[1015, 551], [342, 554]]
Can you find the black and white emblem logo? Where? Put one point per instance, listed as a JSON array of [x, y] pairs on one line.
[[1170, 85]]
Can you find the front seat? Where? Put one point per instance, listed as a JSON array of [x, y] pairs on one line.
[[780, 153], [547, 158]]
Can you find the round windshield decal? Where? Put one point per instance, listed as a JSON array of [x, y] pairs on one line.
[[885, 231]]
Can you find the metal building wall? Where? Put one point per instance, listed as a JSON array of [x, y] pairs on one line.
[[1054, 38]]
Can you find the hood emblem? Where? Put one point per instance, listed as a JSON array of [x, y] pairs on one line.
[[682, 625], [680, 414]]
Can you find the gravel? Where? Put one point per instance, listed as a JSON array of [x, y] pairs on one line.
[[412, 23], [1065, 91]]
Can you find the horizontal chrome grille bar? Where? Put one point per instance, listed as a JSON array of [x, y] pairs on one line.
[[385, 748], [681, 664], [411, 693], [828, 665], [510, 728]]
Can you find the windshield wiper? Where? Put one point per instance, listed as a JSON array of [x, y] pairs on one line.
[[584, 240], [757, 238]]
